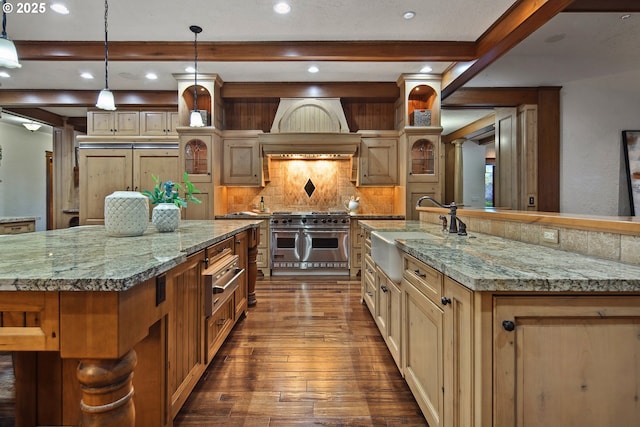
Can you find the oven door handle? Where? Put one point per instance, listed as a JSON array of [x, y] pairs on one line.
[[334, 231], [221, 289]]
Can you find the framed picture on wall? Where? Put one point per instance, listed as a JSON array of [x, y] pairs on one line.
[[631, 144]]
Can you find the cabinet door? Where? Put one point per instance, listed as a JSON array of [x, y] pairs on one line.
[[196, 153], [102, 171], [173, 121], [242, 293], [162, 163], [185, 330], [369, 290], [379, 161], [394, 321], [424, 162], [100, 123], [241, 162], [355, 257], [153, 123], [566, 361], [382, 302], [127, 123], [423, 365], [458, 354]]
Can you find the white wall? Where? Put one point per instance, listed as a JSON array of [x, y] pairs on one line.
[[23, 172], [473, 168]]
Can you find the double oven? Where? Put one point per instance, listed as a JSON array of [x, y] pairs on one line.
[[310, 243]]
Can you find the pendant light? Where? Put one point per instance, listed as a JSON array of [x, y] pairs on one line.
[[8, 53], [105, 98], [196, 118]]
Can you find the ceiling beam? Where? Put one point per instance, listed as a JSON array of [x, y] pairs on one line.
[[491, 97], [483, 124], [85, 98], [381, 51], [363, 90], [622, 6], [520, 21]]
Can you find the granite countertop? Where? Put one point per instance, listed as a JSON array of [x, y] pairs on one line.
[[86, 259], [263, 215], [10, 219], [483, 262]]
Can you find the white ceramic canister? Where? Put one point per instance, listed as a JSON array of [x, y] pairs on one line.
[[126, 213]]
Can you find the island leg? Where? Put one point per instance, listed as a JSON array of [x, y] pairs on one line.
[[107, 391], [253, 275]]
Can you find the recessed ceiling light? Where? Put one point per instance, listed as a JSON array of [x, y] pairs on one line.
[[282, 8], [86, 75], [151, 76], [4, 74], [426, 69], [60, 8], [190, 69], [313, 69], [409, 14]]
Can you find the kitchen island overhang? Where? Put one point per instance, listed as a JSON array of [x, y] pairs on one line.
[[90, 308]]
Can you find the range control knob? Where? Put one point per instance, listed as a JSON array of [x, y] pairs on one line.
[[315, 221], [304, 220], [275, 221], [324, 221]]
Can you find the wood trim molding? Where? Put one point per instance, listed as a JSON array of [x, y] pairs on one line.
[[85, 98], [483, 123], [362, 90], [491, 97]]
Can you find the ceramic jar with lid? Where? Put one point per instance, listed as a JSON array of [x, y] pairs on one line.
[[126, 213]]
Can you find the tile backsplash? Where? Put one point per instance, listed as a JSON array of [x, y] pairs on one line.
[[333, 189]]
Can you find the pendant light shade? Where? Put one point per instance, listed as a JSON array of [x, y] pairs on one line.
[[8, 53], [105, 98], [195, 119]]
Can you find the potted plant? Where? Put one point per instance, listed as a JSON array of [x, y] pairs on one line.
[[166, 195]]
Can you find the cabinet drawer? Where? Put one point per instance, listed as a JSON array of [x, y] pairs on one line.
[[17, 227], [219, 325], [219, 250], [424, 278]]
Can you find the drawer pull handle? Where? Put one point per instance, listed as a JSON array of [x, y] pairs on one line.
[[420, 274], [508, 325], [445, 300], [370, 293]]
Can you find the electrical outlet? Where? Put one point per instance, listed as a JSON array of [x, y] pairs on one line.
[[550, 235], [532, 200]]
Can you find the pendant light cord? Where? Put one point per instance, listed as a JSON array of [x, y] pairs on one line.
[[195, 87], [4, 20], [106, 46]]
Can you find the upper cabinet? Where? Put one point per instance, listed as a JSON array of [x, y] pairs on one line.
[[132, 123], [378, 161], [419, 101], [425, 156], [241, 162], [113, 123], [160, 123]]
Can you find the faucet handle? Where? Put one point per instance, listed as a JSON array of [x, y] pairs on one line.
[[444, 222], [462, 228]]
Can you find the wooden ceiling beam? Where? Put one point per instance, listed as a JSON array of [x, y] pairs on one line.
[[85, 98], [620, 6], [520, 21], [491, 97], [354, 51], [484, 123], [364, 90]]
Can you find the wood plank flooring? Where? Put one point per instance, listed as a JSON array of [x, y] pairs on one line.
[[307, 354]]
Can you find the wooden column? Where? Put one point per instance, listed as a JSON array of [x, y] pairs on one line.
[[252, 276], [458, 174], [107, 391]]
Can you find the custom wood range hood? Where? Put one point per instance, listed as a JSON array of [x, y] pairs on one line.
[[309, 128]]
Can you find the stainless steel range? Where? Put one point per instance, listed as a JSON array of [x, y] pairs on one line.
[[310, 242]]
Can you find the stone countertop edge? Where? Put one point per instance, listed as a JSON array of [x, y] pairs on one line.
[[9, 219], [267, 215], [482, 262], [87, 259]]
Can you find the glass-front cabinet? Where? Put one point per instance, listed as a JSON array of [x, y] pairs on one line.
[[195, 156], [424, 152]]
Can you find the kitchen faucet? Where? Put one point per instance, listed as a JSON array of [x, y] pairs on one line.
[[453, 224]]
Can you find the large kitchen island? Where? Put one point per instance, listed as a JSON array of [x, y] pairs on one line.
[[117, 330]]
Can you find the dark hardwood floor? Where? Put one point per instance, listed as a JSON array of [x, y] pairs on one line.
[[308, 354]]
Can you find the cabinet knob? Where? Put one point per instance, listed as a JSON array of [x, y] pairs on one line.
[[445, 300], [384, 289], [508, 325]]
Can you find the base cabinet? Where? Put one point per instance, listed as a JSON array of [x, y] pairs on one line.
[[566, 361]]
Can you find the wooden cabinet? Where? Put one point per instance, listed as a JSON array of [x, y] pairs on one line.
[[242, 293], [159, 123], [113, 123], [105, 170], [388, 314], [185, 334], [17, 227], [566, 361], [378, 161], [241, 164], [132, 123], [438, 344], [355, 254], [264, 243], [368, 282]]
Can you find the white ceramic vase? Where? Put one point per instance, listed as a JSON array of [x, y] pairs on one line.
[[166, 217], [126, 213]]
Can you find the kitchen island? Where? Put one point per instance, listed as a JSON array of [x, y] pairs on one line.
[[83, 311], [489, 331]]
